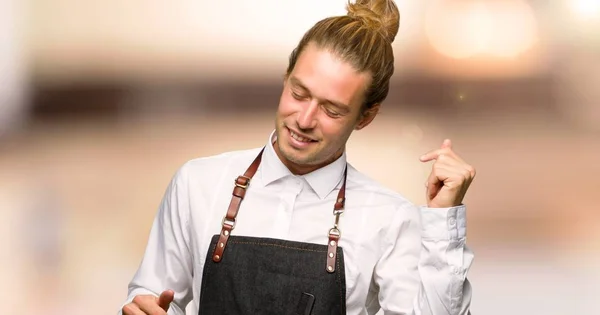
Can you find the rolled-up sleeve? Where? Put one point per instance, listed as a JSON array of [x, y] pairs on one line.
[[167, 262], [426, 260]]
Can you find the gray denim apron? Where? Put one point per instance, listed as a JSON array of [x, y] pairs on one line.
[[252, 275]]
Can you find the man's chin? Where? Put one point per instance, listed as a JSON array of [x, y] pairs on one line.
[[298, 159]]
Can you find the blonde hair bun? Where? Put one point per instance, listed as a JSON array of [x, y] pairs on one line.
[[380, 15]]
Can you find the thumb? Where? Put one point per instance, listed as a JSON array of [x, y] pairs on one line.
[[447, 144], [165, 299], [432, 186]]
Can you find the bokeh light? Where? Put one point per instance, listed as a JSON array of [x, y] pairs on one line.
[[585, 9], [465, 28]]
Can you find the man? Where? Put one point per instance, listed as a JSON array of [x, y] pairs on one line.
[[303, 232]]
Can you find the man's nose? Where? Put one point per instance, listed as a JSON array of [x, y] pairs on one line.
[[307, 119]]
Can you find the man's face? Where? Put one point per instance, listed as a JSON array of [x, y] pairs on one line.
[[319, 108]]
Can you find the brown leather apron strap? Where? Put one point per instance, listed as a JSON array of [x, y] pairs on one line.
[[334, 232], [239, 191]]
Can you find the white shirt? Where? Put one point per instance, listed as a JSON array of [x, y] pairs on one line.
[[398, 257]]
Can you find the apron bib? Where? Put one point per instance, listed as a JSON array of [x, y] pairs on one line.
[[255, 276]]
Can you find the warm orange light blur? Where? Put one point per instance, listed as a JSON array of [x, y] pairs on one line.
[[458, 29], [465, 28], [515, 29], [586, 9]]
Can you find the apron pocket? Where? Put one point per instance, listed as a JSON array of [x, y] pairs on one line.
[[306, 304]]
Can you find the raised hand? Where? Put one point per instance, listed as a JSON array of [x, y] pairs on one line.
[[449, 179]]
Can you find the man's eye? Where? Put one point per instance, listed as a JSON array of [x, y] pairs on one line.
[[297, 96], [331, 112]]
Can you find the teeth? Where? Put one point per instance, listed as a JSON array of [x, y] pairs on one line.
[[299, 138]]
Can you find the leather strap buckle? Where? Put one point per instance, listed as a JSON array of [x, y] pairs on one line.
[[229, 222], [242, 181]]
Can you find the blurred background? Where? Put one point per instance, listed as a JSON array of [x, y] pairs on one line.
[[102, 101]]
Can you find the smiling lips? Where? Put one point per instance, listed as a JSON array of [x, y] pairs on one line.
[[300, 138]]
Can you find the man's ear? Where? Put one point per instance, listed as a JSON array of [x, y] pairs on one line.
[[367, 117]]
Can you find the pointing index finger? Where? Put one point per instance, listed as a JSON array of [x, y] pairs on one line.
[[433, 154]]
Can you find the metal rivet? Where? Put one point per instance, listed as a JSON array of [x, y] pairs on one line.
[[329, 268], [331, 255], [217, 257], [226, 233], [332, 243], [221, 244]]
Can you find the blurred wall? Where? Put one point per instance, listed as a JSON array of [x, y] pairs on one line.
[[102, 101]]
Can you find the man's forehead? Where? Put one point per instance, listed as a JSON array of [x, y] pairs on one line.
[[322, 72]]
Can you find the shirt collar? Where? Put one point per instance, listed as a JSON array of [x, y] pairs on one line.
[[323, 180]]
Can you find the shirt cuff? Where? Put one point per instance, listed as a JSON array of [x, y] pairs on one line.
[[444, 223]]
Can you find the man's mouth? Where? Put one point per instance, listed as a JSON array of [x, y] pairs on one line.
[[300, 138]]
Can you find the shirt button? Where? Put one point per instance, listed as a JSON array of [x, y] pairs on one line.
[[452, 222]]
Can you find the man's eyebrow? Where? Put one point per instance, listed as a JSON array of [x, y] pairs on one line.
[[296, 82], [340, 106]]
